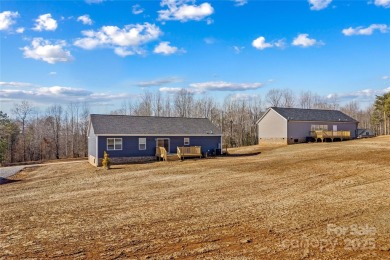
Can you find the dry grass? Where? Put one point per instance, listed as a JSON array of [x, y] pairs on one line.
[[266, 206]]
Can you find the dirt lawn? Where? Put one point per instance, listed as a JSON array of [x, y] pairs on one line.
[[321, 200]]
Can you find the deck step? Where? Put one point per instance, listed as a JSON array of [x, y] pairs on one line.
[[172, 157]]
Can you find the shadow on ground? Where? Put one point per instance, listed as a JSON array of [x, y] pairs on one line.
[[6, 181], [243, 154]]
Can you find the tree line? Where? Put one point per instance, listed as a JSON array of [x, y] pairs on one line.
[[30, 135], [61, 131]]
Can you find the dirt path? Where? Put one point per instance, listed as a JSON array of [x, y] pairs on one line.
[[323, 201]]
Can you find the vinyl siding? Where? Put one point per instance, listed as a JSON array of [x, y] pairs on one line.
[[302, 129], [130, 144], [92, 142], [272, 125]]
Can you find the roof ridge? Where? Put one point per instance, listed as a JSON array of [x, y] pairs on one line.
[[125, 124], [322, 109], [310, 114], [151, 116]]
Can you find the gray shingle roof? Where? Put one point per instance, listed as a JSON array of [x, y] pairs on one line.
[[133, 125], [298, 114]]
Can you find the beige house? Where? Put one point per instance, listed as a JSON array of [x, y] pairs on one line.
[[295, 125]]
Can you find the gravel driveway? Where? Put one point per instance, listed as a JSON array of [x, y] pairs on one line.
[[6, 172]]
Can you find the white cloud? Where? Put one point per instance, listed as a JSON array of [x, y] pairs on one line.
[[386, 77], [125, 41], [49, 92], [304, 41], [260, 43], [280, 43], [20, 30], [225, 86], [244, 97], [136, 9], [362, 95], [43, 50], [175, 90], [165, 49], [240, 2], [179, 10], [170, 90], [85, 19], [107, 97], [383, 3], [94, 1], [319, 4], [383, 28], [62, 91], [15, 84], [45, 23], [209, 40], [7, 18], [52, 73], [124, 52], [59, 95], [15, 93], [158, 82], [238, 49]]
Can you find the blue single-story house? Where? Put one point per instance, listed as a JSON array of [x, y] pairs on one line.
[[135, 138]]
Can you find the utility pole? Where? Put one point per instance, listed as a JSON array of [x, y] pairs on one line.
[[231, 133]]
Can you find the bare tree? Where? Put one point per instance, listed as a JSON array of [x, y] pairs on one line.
[[128, 107], [256, 109], [167, 109], [321, 103], [145, 105], [183, 103], [334, 101], [73, 113], [351, 109], [22, 112], [203, 107], [54, 118], [157, 104], [288, 98], [274, 97], [84, 121], [306, 99]]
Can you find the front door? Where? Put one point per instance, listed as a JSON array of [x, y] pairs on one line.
[[334, 130], [163, 142]]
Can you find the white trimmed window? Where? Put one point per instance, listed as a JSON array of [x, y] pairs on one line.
[[114, 144], [319, 127], [142, 143], [186, 141]]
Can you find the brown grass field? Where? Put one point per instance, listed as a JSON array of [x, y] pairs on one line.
[[315, 201]]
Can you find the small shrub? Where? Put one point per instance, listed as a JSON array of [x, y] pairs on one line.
[[106, 161]]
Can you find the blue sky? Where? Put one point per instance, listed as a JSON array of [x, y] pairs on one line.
[[104, 52]]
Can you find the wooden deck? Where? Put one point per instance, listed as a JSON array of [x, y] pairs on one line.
[[182, 152], [330, 135], [189, 151], [162, 154]]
